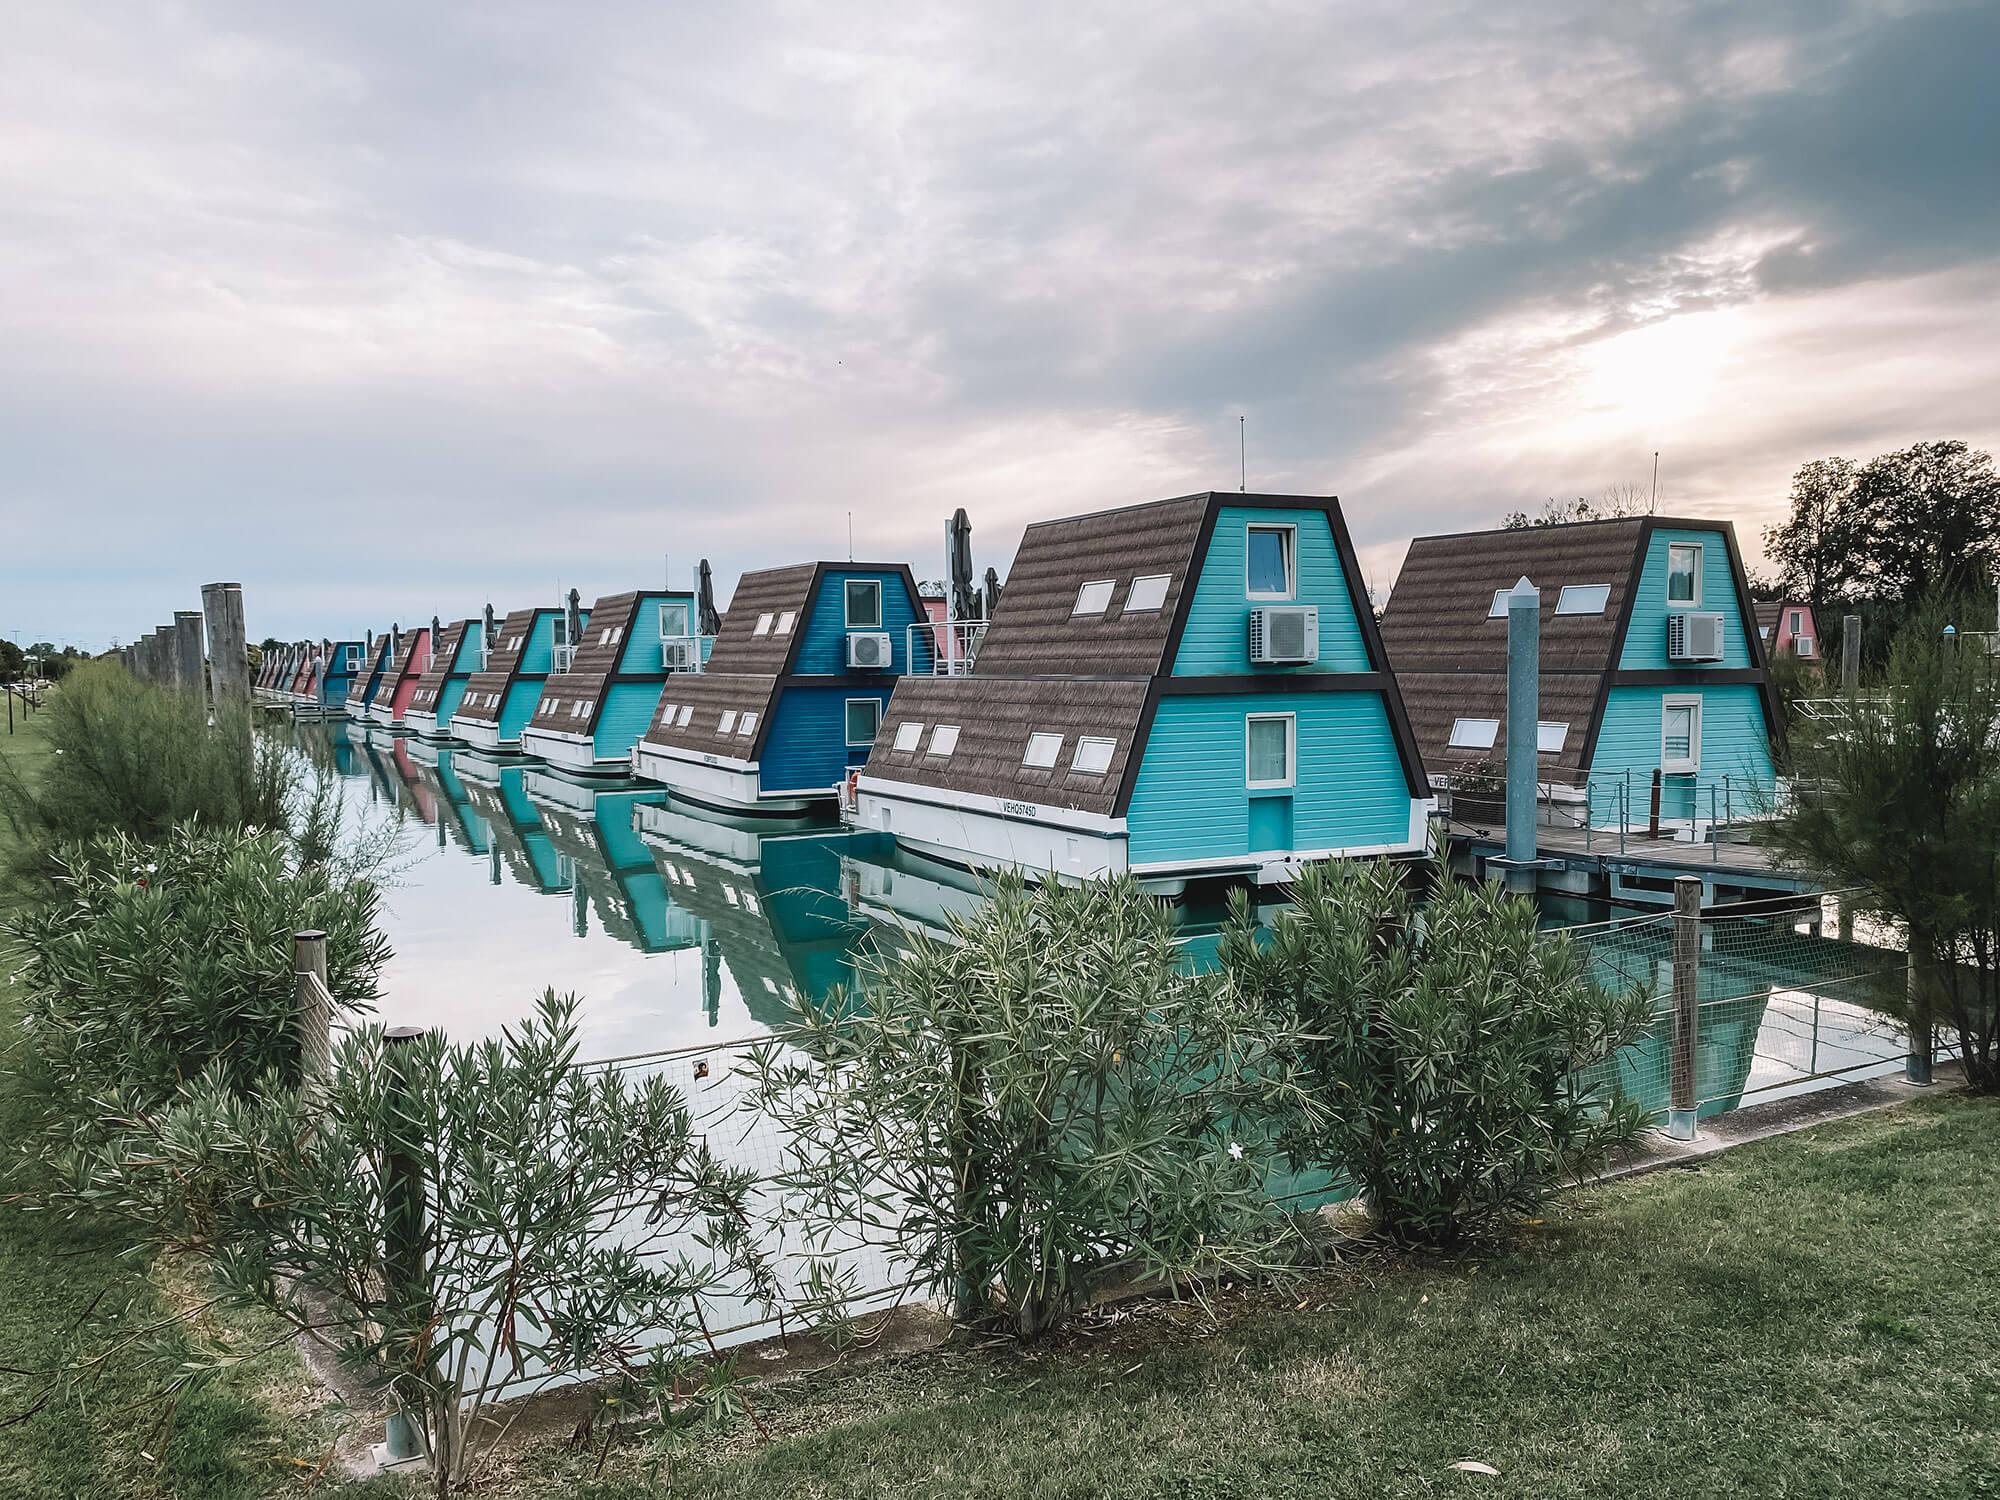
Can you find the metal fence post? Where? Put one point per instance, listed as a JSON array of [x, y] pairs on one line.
[[315, 1010], [403, 1270], [1682, 1100]]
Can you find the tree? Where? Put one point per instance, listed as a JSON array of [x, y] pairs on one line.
[[1814, 550], [1618, 500], [13, 662], [1898, 799]]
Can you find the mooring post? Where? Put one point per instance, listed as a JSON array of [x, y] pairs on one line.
[[228, 656], [1524, 686], [1850, 653], [1682, 1102], [187, 649], [404, 1232], [315, 1008]]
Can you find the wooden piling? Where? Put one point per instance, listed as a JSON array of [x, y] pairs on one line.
[[315, 1008], [228, 658], [187, 649]]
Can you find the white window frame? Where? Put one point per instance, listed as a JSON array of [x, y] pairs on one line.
[[1798, 622], [1472, 741], [944, 740], [1696, 549], [1289, 536], [1155, 597], [1543, 732], [787, 619], [685, 716], [727, 723], [1602, 592], [1097, 603], [847, 588], [1291, 777], [846, 729], [764, 623], [746, 724], [1691, 764], [686, 614], [1044, 749], [909, 735], [1498, 609], [1101, 749]]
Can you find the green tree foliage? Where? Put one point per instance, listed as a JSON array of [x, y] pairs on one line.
[[13, 662], [159, 961], [1445, 1047], [1034, 1106], [1897, 797], [464, 1223]]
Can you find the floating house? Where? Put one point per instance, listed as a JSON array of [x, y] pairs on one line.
[[1652, 670], [398, 686], [334, 675], [377, 660], [1786, 628], [1192, 687], [500, 699], [787, 705], [459, 653], [591, 714]]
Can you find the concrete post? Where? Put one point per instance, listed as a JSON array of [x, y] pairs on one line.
[[1850, 653], [315, 1014], [1682, 1099], [1524, 686], [187, 649], [228, 657]]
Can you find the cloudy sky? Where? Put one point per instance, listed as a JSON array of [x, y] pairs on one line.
[[387, 310]]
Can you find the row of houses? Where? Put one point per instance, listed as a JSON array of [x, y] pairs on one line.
[[1193, 687]]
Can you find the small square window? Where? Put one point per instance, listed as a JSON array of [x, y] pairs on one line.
[[681, 719], [764, 623], [787, 620], [1549, 738], [604, 638], [1042, 750], [1680, 735], [944, 739], [1147, 594], [1268, 749], [1474, 734], [864, 604], [727, 722], [1093, 755], [1094, 598], [1684, 573], [909, 734], [673, 620], [1583, 599], [864, 719], [1271, 570], [747, 725]]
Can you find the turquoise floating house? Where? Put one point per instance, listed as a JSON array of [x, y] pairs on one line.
[[500, 699], [1188, 688], [1654, 681], [787, 704], [593, 712], [334, 671], [376, 664], [460, 652]]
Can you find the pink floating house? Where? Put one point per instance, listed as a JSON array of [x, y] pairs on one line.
[[1788, 629]]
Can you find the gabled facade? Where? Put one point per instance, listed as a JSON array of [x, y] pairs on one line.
[[398, 686], [1186, 688], [1650, 663], [339, 661], [589, 718], [787, 706], [499, 700], [376, 663], [1787, 629], [443, 683]]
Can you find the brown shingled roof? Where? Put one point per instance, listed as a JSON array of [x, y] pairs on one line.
[[444, 653], [1436, 700], [556, 711], [772, 591], [708, 695]]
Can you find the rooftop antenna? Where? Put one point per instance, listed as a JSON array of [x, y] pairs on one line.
[[1656, 483], [1242, 454], [850, 536]]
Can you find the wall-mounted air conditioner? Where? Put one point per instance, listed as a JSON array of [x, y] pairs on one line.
[[868, 649], [682, 655], [1694, 637], [1284, 635]]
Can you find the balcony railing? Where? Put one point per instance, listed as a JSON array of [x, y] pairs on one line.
[[565, 656], [945, 648]]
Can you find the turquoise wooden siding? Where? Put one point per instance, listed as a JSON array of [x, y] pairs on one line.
[[628, 708], [824, 648], [448, 697], [807, 747], [539, 653], [1189, 801], [1217, 639], [518, 707], [1646, 636], [1736, 768], [640, 650], [623, 848]]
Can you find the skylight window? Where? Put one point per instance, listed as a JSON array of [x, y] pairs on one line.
[[747, 725], [667, 713], [1042, 750], [944, 739], [1474, 734], [681, 719], [787, 620], [728, 721], [1093, 755], [1147, 594], [764, 623], [1583, 599], [909, 734], [1499, 609], [1094, 598], [1549, 738]]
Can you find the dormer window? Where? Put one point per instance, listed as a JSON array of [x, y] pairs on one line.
[[864, 604], [1094, 598], [1147, 594], [1270, 562]]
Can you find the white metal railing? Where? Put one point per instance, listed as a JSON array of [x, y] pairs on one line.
[[564, 657], [944, 648], [685, 653]]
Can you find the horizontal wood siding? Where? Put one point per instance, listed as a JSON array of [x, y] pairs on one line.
[[824, 648], [627, 709], [517, 708], [1646, 636], [538, 655], [1735, 754], [448, 696], [807, 745], [1217, 638], [1190, 803], [641, 648]]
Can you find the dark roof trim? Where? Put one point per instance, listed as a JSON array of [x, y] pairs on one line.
[[1307, 682], [1685, 676], [820, 569]]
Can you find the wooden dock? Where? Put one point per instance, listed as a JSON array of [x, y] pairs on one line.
[[1631, 866]]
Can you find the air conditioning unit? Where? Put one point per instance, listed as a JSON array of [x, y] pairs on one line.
[[1284, 635], [868, 649], [1694, 637], [680, 656]]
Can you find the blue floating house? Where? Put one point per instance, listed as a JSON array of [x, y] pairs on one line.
[[1652, 670], [614, 872], [377, 664], [500, 699], [787, 705], [591, 715], [334, 672], [459, 653], [1189, 688]]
